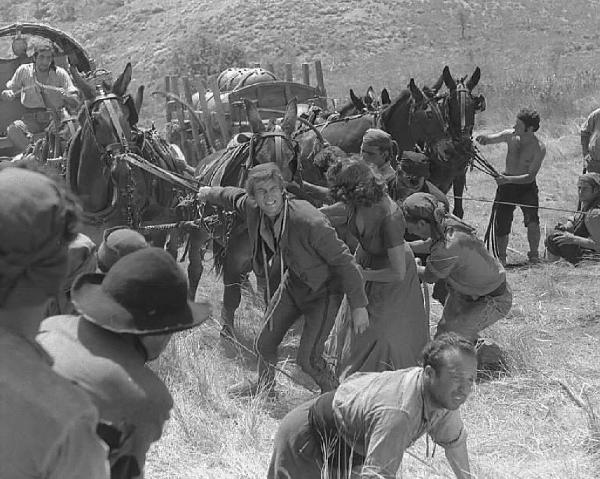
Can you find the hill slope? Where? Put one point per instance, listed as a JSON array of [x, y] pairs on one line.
[[379, 42]]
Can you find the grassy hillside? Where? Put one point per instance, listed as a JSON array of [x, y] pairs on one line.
[[537, 52], [544, 54]]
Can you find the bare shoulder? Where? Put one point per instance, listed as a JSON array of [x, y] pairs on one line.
[[541, 146]]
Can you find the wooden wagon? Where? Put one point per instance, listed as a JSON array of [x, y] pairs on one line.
[[223, 115], [70, 52]]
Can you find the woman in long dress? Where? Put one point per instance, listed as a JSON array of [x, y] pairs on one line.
[[398, 326]]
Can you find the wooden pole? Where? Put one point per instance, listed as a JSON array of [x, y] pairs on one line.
[[205, 114], [187, 92], [306, 73], [178, 110], [168, 115], [289, 76], [220, 111], [319, 75]]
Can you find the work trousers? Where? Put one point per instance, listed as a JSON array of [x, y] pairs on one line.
[[467, 316], [308, 445], [293, 299]]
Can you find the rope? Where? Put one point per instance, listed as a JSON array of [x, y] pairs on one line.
[[255, 354], [484, 200]]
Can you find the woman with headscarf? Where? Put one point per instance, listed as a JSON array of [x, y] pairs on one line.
[[580, 236], [478, 293], [380, 150], [398, 326]]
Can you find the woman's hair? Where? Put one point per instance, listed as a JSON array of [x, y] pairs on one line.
[[263, 172], [355, 182]]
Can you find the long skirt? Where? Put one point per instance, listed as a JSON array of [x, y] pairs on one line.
[[398, 328]]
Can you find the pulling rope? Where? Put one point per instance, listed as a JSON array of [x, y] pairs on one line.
[[509, 203], [235, 341]]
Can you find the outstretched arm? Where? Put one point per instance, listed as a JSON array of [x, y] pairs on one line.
[[500, 137], [458, 457], [228, 197]]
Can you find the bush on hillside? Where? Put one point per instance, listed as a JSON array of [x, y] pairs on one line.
[[205, 56]]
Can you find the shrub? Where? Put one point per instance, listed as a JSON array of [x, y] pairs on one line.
[[197, 54]]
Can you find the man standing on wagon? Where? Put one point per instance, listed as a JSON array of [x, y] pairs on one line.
[[517, 185], [41, 86], [319, 270]]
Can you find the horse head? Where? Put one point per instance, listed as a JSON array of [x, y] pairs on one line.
[[106, 120], [369, 103], [460, 105], [413, 118], [109, 111], [275, 143]]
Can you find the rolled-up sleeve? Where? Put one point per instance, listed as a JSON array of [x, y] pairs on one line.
[[16, 82], [449, 431], [336, 254], [79, 453], [440, 263]]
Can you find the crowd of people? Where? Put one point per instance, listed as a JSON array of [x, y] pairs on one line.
[[79, 323]]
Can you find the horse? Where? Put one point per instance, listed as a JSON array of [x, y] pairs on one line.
[[411, 119], [450, 161], [231, 244], [108, 167]]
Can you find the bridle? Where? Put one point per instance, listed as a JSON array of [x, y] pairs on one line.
[[123, 145], [257, 141], [467, 105]]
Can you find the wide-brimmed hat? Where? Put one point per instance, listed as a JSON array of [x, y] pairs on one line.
[[116, 243], [144, 293]]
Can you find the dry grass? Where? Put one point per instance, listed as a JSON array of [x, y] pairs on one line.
[[544, 54], [523, 424]]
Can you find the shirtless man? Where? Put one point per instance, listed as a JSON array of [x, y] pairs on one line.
[[517, 183]]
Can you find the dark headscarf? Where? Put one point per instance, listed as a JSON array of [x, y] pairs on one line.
[[424, 206], [33, 225], [414, 163]]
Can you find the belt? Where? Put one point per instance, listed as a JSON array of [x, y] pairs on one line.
[[325, 431]]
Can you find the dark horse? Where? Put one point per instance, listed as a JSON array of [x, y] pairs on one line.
[[231, 244], [106, 160], [450, 160], [411, 119]]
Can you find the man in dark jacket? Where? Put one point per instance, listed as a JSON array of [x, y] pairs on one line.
[[318, 267]]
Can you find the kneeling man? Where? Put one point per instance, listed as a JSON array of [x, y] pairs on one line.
[[372, 418], [580, 236]]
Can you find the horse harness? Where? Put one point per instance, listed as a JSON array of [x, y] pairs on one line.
[[122, 150], [280, 139]]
